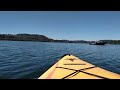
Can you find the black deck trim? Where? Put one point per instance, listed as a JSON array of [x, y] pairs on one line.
[[74, 64], [64, 55]]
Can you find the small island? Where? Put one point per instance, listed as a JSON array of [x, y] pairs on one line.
[[43, 38]]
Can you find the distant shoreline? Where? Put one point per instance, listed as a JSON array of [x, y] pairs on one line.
[[43, 38]]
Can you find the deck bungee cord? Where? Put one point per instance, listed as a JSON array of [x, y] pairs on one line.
[[81, 70], [71, 67]]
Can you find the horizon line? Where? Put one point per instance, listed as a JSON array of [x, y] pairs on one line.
[[58, 39]]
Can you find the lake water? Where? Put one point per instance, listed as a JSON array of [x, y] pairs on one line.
[[28, 60]]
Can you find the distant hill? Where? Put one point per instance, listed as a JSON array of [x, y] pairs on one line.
[[34, 37], [25, 37], [42, 38]]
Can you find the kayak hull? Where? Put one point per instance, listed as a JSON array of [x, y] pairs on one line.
[[71, 67]]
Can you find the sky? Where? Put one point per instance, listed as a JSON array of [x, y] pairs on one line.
[[69, 25]]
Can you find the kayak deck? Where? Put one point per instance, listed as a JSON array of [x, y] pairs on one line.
[[71, 67]]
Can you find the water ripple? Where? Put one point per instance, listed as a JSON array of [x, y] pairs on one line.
[[28, 60]]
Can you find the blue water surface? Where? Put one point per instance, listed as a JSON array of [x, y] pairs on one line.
[[28, 60]]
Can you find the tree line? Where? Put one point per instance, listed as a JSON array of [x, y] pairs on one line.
[[111, 41], [25, 37], [42, 38]]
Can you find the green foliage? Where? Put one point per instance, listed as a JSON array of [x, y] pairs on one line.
[[25, 37], [111, 41]]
